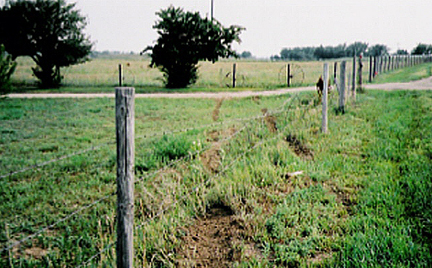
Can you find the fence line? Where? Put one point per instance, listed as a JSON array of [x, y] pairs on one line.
[[216, 175], [93, 148], [226, 168], [43, 230]]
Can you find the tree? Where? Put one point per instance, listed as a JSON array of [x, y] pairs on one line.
[[246, 55], [422, 49], [357, 47], [48, 31], [377, 50], [7, 67], [402, 52], [184, 39]]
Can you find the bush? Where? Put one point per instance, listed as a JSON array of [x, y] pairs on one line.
[[185, 39], [7, 68]]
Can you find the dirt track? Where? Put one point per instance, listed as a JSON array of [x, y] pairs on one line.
[[424, 84]]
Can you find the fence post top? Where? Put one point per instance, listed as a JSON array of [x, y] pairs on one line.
[[125, 88]]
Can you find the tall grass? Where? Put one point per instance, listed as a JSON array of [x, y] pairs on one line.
[[361, 196], [101, 74]]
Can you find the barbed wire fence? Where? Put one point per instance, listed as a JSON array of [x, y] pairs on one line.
[[285, 107]]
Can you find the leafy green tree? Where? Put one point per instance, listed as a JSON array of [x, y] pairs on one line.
[[246, 55], [377, 50], [48, 31], [422, 49], [184, 39], [402, 52], [358, 47], [7, 67]]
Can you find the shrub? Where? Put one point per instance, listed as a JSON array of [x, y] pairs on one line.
[[7, 68]]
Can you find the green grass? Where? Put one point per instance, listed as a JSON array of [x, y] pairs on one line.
[[101, 75], [363, 200], [407, 74]]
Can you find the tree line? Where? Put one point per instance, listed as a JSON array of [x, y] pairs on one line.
[[343, 50]]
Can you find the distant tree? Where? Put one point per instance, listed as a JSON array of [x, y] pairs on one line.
[[298, 53], [184, 39], [330, 52], [48, 31], [422, 49], [246, 55], [377, 50], [275, 58], [7, 67], [358, 47], [402, 52]]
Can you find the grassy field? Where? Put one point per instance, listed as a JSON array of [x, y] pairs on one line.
[[406, 75], [101, 75], [278, 192]]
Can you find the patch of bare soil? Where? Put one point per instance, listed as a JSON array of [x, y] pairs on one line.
[[270, 121], [215, 241], [299, 148], [34, 252], [211, 158]]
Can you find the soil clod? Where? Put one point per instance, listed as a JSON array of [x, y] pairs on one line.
[[299, 148]]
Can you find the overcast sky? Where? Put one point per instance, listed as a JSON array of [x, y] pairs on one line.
[[126, 25]]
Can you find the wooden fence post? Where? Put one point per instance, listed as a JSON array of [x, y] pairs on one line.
[[353, 86], [360, 72], [381, 64], [335, 80], [288, 71], [234, 75], [370, 69], [375, 67], [125, 132], [388, 64], [120, 75], [342, 86], [324, 126]]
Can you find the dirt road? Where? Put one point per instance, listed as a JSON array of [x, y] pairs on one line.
[[424, 84]]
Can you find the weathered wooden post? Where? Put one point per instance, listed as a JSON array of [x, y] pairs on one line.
[[324, 126], [288, 74], [234, 75], [381, 64], [335, 74], [125, 132], [342, 86], [370, 69], [360, 72], [353, 86], [120, 75], [378, 64], [388, 64]]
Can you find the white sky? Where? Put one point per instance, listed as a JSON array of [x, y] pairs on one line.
[[126, 25]]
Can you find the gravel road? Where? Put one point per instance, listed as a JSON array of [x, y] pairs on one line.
[[424, 84]]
